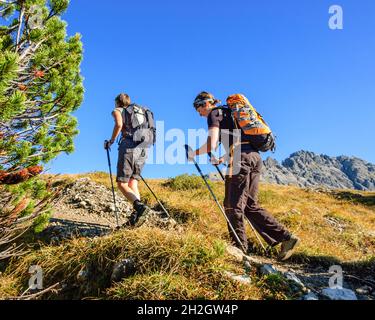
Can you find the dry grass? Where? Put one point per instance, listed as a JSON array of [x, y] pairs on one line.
[[339, 225], [329, 227], [190, 264], [8, 287], [210, 284]]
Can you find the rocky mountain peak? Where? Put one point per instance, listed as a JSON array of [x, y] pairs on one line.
[[308, 169]]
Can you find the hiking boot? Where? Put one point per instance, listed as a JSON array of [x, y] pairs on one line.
[[139, 216], [287, 248], [132, 220]]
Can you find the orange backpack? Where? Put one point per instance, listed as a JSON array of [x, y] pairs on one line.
[[251, 122]]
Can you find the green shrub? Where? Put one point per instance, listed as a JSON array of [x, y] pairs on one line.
[[185, 182], [275, 287]]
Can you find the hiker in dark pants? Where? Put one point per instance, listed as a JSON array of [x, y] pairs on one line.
[[241, 185], [131, 158]]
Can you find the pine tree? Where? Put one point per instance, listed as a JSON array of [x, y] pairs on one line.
[[40, 88], [40, 83]]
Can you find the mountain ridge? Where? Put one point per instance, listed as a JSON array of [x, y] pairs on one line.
[[309, 169]]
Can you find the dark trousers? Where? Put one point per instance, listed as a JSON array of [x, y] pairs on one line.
[[241, 200]]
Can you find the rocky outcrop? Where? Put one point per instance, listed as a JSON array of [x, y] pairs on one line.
[[86, 209], [307, 169]]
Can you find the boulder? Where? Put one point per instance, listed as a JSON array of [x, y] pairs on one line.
[[268, 269], [339, 294], [244, 279]]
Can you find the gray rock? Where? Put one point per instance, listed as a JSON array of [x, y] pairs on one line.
[[83, 204], [310, 297], [239, 256], [154, 219], [111, 208], [307, 169], [235, 253], [94, 202], [244, 279], [123, 269], [268, 269], [292, 277], [339, 294]]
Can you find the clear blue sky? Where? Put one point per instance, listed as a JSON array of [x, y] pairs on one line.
[[315, 86]]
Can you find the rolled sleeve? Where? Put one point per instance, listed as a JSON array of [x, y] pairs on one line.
[[214, 119]]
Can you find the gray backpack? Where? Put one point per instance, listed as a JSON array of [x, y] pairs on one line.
[[139, 125]]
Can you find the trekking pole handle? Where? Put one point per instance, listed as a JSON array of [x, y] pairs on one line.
[[217, 167], [107, 145], [188, 150]]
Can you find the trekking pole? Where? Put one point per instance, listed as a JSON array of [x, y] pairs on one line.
[[187, 148], [149, 188], [217, 167], [251, 225], [113, 188]]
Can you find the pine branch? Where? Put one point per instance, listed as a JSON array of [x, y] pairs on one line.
[[20, 21], [44, 153], [44, 119], [4, 10], [31, 49]]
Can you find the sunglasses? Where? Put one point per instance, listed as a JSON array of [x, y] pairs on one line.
[[202, 103]]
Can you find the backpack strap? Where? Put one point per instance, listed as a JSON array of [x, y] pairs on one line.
[[220, 108]]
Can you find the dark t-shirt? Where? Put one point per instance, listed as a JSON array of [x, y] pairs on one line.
[[222, 119]]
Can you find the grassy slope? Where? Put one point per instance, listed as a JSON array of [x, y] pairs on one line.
[[190, 264], [305, 212]]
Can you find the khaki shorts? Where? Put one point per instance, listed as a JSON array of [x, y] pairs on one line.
[[131, 161]]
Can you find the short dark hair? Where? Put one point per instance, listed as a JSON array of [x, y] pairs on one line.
[[123, 100]]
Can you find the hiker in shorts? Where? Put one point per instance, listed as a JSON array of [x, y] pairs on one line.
[[131, 157], [242, 179]]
